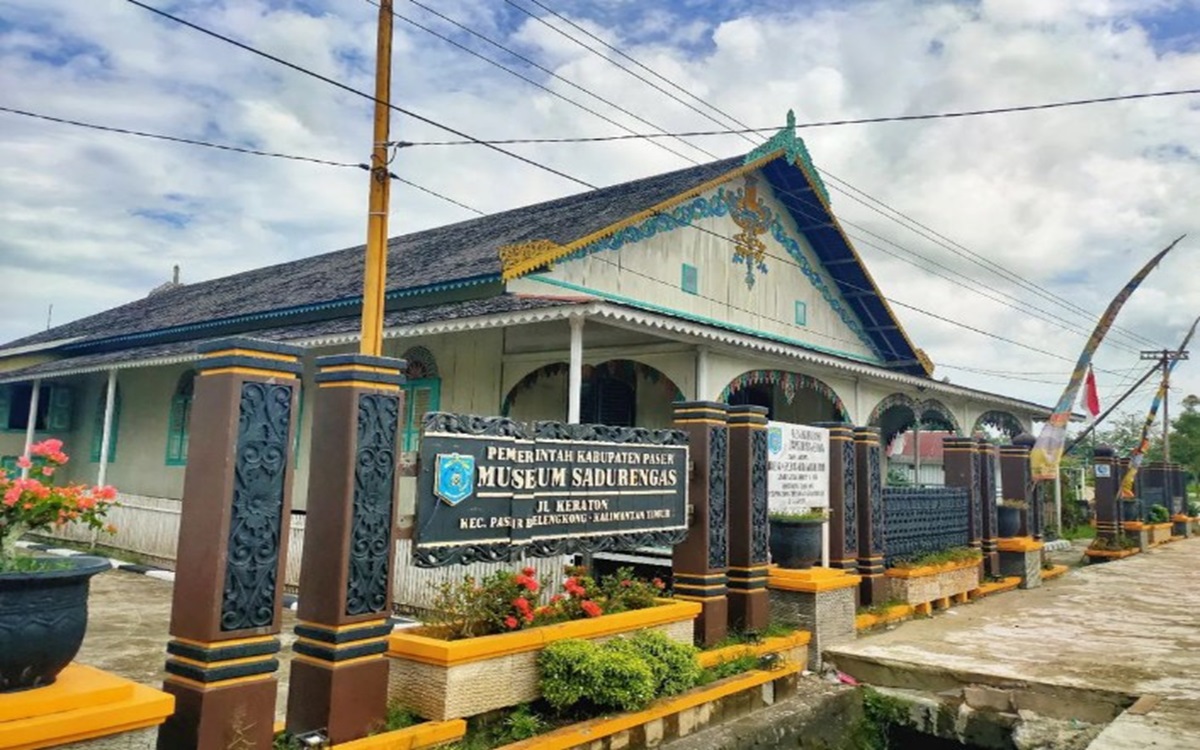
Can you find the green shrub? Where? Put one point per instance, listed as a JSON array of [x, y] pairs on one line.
[[624, 674], [566, 668], [522, 724], [943, 557], [1159, 514], [673, 664]]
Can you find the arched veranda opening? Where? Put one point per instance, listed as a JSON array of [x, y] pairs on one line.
[[619, 392], [787, 396], [911, 432]]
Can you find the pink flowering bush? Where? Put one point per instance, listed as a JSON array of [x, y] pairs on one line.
[[506, 601], [35, 503]]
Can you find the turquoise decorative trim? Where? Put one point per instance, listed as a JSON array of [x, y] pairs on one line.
[[702, 207], [794, 151], [705, 320], [690, 281]]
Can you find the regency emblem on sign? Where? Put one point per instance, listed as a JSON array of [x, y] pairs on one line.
[[454, 478], [775, 440]]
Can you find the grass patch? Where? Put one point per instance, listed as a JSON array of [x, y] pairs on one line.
[[740, 638], [1084, 531], [510, 725], [729, 668], [942, 557], [880, 609]]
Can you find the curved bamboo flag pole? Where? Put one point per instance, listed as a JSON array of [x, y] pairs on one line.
[[1139, 453], [1048, 450]]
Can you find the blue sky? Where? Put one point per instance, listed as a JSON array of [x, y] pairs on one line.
[[1071, 200]]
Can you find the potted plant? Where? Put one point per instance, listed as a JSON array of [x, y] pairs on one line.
[[1009, 517], [43, 602], [795, 538]]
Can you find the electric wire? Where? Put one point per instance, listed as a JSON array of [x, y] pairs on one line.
[[226, 147], [357, 92], [1091, 316], [430, 121], [524, 77], [816, 123]]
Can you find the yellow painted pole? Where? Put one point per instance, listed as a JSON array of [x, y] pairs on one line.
[[375, 266]]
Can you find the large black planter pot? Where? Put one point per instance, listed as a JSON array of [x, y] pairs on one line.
[[43, 617], [1008, 521], [795, 544]]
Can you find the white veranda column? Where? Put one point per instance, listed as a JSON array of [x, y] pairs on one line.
[[110, 397], [702, 373], [32, 422], [575, 375]]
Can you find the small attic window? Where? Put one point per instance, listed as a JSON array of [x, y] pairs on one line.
[[690, 279], [801, 313]]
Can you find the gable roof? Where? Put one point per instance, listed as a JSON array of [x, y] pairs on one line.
[[487, 250]]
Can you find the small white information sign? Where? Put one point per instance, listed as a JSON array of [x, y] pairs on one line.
[[797, 468]]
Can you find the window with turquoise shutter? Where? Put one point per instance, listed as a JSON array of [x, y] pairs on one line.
[[59, 409], [5, 403], [98, 426], [55, 410], [422, 394], [179, 421]]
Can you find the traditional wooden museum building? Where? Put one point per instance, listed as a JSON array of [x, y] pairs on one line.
[[732, 281]]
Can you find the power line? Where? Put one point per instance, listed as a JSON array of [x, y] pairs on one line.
[[226, 147], [525, 78], [1091, 317], [524, 159], [357, 92], [176, 139], [819, 123]]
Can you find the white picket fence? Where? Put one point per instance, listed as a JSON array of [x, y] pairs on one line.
[[149, 528]]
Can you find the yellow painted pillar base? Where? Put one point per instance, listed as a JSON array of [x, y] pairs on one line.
[[83, 704]]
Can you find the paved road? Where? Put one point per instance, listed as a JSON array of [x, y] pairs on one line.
[[1131, 626], [127, 630]]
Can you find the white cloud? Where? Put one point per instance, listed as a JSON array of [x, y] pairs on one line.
[[1072, 199]]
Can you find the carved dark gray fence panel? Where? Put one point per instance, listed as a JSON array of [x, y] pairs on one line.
[[920, 520]]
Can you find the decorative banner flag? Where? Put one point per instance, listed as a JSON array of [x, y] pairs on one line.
[[1139, 453], [1091, 398], [1048, 450]]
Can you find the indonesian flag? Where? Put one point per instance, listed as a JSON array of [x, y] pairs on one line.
[[1091, 398]]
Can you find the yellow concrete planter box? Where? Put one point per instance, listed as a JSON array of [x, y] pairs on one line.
[[897, 613], [670, 718], [792, 649], [1049, 574], [84, 704], [933, 584], [996, 587], [440, 679], [1110, 554], [1160, 533], [417, 737]]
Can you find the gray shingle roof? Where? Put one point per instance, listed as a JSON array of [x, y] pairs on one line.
[[452, 254], [300, 332]]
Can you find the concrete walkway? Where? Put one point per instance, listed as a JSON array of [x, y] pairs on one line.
[[1116, 631]]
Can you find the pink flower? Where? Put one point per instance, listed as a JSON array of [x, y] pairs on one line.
[[24, 462], [590, 608], [12, 495], [47, 471], [511, 622], [48, 448]]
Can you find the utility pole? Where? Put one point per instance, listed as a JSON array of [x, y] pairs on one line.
[[375, 266], [1165, 358]]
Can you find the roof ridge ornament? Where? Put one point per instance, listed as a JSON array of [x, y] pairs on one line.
[[794, 151], [522, 257]]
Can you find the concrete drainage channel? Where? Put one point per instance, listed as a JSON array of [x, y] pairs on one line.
[[982, 711], [897, 707]]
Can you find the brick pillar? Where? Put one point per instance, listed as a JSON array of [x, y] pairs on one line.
[[232, 553], [1108, 519], [988, 460], [961, 462], [339, 675], [1015, 478], [843, 500], [869, 492], [699, 564], [749, 605]]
